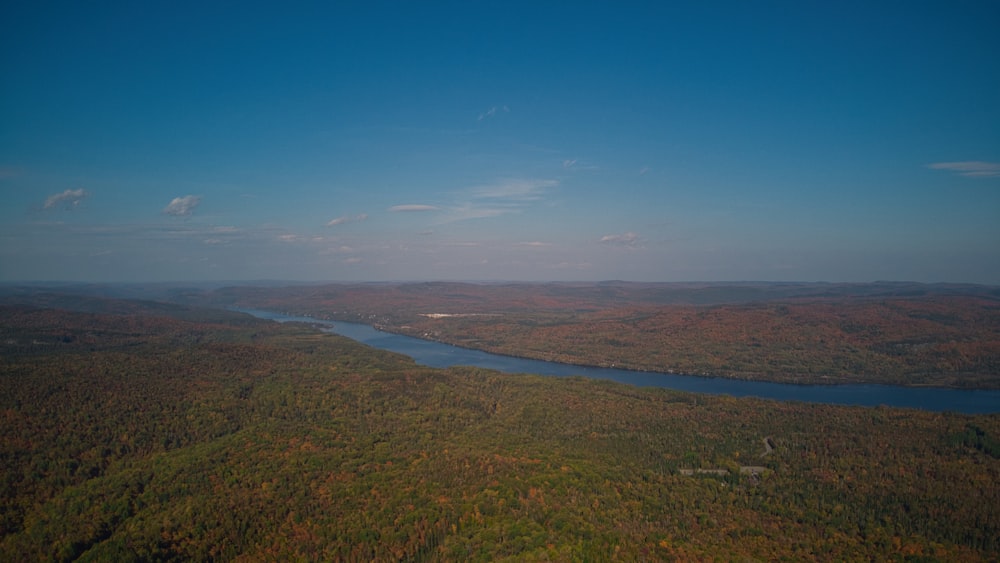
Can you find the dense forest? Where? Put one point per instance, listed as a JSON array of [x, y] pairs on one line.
[[144, 431], [890, 333]]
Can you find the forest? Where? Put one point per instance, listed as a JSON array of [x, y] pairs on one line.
[[939, 335], [146, 431]]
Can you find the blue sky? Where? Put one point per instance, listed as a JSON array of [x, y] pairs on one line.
[[827, 141]]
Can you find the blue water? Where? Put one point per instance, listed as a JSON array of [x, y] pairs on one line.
[[436, 354]]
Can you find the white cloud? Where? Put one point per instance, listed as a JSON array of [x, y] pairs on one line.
[[69, 199], [182, 205], [412, 207], [514, 190], [492, 200], [295, 238], [625, 239], [577, 165], [493, 111], [970, 168], [535, 244], [343, 249], [346, 219]]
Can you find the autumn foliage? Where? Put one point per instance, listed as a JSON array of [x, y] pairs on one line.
[[189, 434], [900, 334]]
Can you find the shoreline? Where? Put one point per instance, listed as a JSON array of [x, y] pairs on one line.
[[703, 376]]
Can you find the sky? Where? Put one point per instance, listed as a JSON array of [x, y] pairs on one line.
[[532, 141]]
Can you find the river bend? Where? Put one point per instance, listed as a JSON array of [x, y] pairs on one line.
[[437, 354]]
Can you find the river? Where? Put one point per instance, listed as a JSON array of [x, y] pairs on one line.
[[436, 354]]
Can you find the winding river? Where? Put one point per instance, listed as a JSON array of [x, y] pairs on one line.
[[436, 354]]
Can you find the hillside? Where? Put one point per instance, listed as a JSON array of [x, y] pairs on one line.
[[890, 333], [176, 433]]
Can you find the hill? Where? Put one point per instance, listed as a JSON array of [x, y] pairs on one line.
[[149, 435], [944, 335]]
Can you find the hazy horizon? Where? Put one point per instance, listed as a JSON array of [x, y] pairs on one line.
[[294, 282], [720, 141]]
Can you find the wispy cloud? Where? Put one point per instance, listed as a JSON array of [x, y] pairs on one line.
[[577, 165], [470, 211], [346, 219], [517, 190], [644, 170], [501, 198], [628, 239], [182, 206], [534, 244], [493, 111], [342, 249], [10, 172], [409, 207], [68, 199], [970, 168], [485, 200], [221, 234]]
